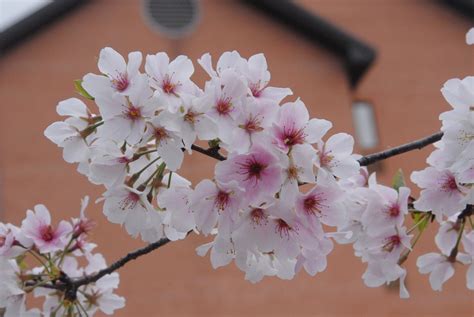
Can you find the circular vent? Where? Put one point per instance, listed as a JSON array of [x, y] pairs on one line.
[[173, 18]]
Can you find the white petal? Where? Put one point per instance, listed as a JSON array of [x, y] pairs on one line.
[[72, 107], [111, 62]]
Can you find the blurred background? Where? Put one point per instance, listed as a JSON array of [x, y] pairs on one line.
[[372, 67]]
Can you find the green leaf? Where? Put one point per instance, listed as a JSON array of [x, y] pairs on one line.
[[81, 91], [214, 143], [421, 218], [20, 261], [398, 180]]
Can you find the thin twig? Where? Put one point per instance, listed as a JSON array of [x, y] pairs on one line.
[[70, 286], [118, 264], [363, 161], [415, 145]]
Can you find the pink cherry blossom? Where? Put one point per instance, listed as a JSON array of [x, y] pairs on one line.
[[37, 226], [170, 79], [258, 77], [293, 126], [120, 77], [298, 168], [336, 156], [258, 173], [127, 206], [125, 118], [212, 202], [167, 139], [440, 193], [250, 126], [323, 202], [386, 208]]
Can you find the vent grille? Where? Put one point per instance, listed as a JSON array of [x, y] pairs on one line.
[[173, 18]]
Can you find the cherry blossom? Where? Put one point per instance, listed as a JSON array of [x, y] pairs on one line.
[[257, 172], [441, 192], [120, 77], [258, 77], [293, 126], [37, 226], [125, 117], [323, 202], [282, 191], [170, 79], [212, 202], [72, 134], [335, 156], [127, 206]]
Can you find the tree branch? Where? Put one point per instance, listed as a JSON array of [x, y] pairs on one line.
[[363, 161], [415, 145], [121, 262], [69, 286], [211, 152]]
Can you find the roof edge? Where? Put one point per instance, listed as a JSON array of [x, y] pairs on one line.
[[36, 21], [356, 55]]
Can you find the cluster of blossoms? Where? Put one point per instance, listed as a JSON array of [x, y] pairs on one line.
[[448, 184], [40, 253], [282, 191], [253, 207]]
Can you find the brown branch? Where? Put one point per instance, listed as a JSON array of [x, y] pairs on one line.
[[211, 152], [69, 286], [415, 145], [121, 262], [363, 161]]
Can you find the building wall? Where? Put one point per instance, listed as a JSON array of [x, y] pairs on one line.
[[420, 45]]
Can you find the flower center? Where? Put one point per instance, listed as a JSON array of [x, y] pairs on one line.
[[252, 125], [312, 205], [450, 183], [293, 136], [283, 228], [2, 241], [168, 87], [47, 233], [392, 242], [160, 134], [222, 200], [326, 158], [123, 160], [252, 168], [190, 117], [258, 216], [130, 201], [255, 89], [224, 106], [121, 82], [93, 298], [292, 172], [134, 113], [394, 210]]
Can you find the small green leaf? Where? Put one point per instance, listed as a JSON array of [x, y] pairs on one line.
[[81, 91], [214, 143], [421, 218], [398, 180], [424, 223], [20, 261]]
